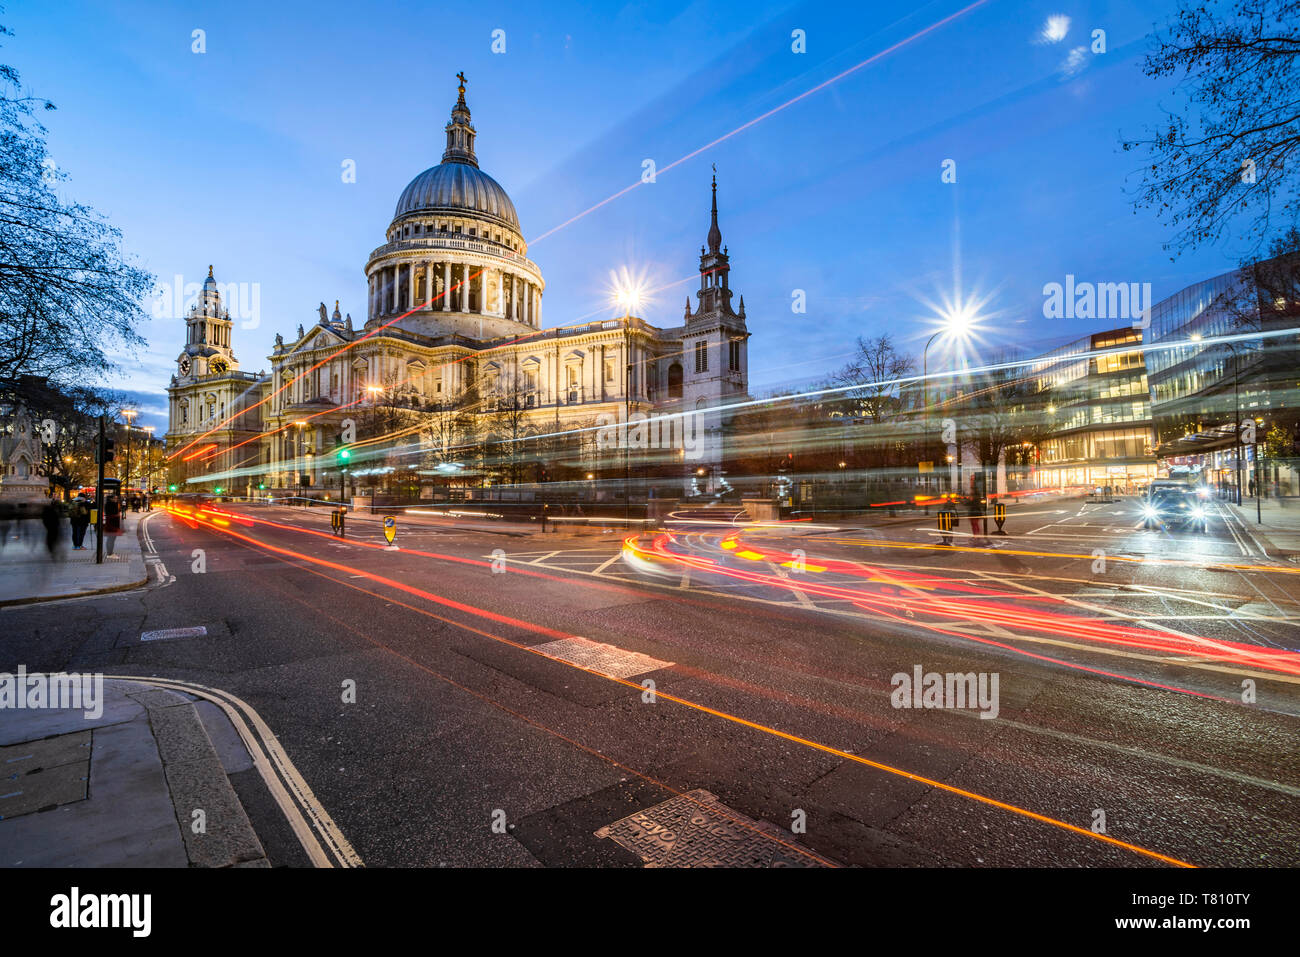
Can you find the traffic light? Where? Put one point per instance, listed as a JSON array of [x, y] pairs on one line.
[[260, 486], [217, 490], [104, 451], [344, 454], [171, 488]]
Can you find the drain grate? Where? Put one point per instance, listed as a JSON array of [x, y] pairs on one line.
[[597, 656], [167, 634], [697, 830]]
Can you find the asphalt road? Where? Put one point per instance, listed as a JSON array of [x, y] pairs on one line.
[[487, 731]]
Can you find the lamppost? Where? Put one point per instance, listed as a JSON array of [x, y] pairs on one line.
[[128, 414], [1259, 473], [1236, 413], [958, 322], [148, 460], [628, 295], [297, 456]]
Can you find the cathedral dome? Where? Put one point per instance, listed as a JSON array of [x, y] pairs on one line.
[[455, 186]]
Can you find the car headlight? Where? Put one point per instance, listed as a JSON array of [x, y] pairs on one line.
[[1198, 513], [1150, 512]]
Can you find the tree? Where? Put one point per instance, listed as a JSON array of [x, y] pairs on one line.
[[1232, 149], [69, 447], [874, 372], [68, 298]]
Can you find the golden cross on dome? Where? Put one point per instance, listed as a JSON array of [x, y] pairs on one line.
[[461, 76]]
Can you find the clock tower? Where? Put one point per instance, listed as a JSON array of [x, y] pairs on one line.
[[207, 337]]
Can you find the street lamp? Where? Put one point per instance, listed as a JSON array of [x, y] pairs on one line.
[[148, 459], [128, 414], [958, 322], [297, 457], [629, 295]]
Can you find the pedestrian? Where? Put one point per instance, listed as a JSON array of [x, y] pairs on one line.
[[977, 518], [8, 516], [79, 516], [52, 519], [112, 521]]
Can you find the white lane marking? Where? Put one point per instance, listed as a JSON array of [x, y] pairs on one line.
[[542, 558], [606, 564], [794, 590]]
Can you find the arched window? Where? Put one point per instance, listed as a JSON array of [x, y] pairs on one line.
[[675, 381]]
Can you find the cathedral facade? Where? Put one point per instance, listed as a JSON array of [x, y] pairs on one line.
[[453, 333]]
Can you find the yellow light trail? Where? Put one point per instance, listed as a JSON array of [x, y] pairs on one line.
[[693, 705]]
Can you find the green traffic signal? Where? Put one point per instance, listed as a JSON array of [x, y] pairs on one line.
[[171, 488], [217, 490], [344, 455]]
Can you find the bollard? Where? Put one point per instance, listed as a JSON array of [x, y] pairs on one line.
[[946, 520], [999, 516], [342, 520]]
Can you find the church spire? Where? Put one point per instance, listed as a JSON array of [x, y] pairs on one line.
[[715, 234], [460, 132]]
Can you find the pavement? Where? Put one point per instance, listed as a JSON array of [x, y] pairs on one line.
[[1276, 521], [29, 574], [135, 780]]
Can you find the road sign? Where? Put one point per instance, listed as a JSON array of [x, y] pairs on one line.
[[390, 529]]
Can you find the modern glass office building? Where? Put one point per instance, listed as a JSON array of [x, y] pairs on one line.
[[1219, 353], [1095, 395]]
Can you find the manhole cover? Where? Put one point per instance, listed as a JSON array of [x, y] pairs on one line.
[[696, 830], [597, 656]]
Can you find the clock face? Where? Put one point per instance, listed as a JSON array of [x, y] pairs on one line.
[[219, 366], [185, 365]]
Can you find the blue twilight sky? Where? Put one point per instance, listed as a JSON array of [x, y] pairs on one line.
[[234, 156]]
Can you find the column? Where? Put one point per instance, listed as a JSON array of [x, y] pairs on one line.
[[446, 287], [527, 313], [483, 281], [410, 302], [428, 283], [501, 292]]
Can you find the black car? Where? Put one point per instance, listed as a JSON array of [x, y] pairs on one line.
[[1167, 507]]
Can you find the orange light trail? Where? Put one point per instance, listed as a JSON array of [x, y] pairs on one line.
[[694, 705], [1222, 651], [332, 355]]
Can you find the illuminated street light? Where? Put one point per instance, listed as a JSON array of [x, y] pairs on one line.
[[629, 293], [129, 415], [959, 320]]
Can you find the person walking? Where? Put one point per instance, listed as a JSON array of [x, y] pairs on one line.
[[79, 516], [52, 519], [112, 521]]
